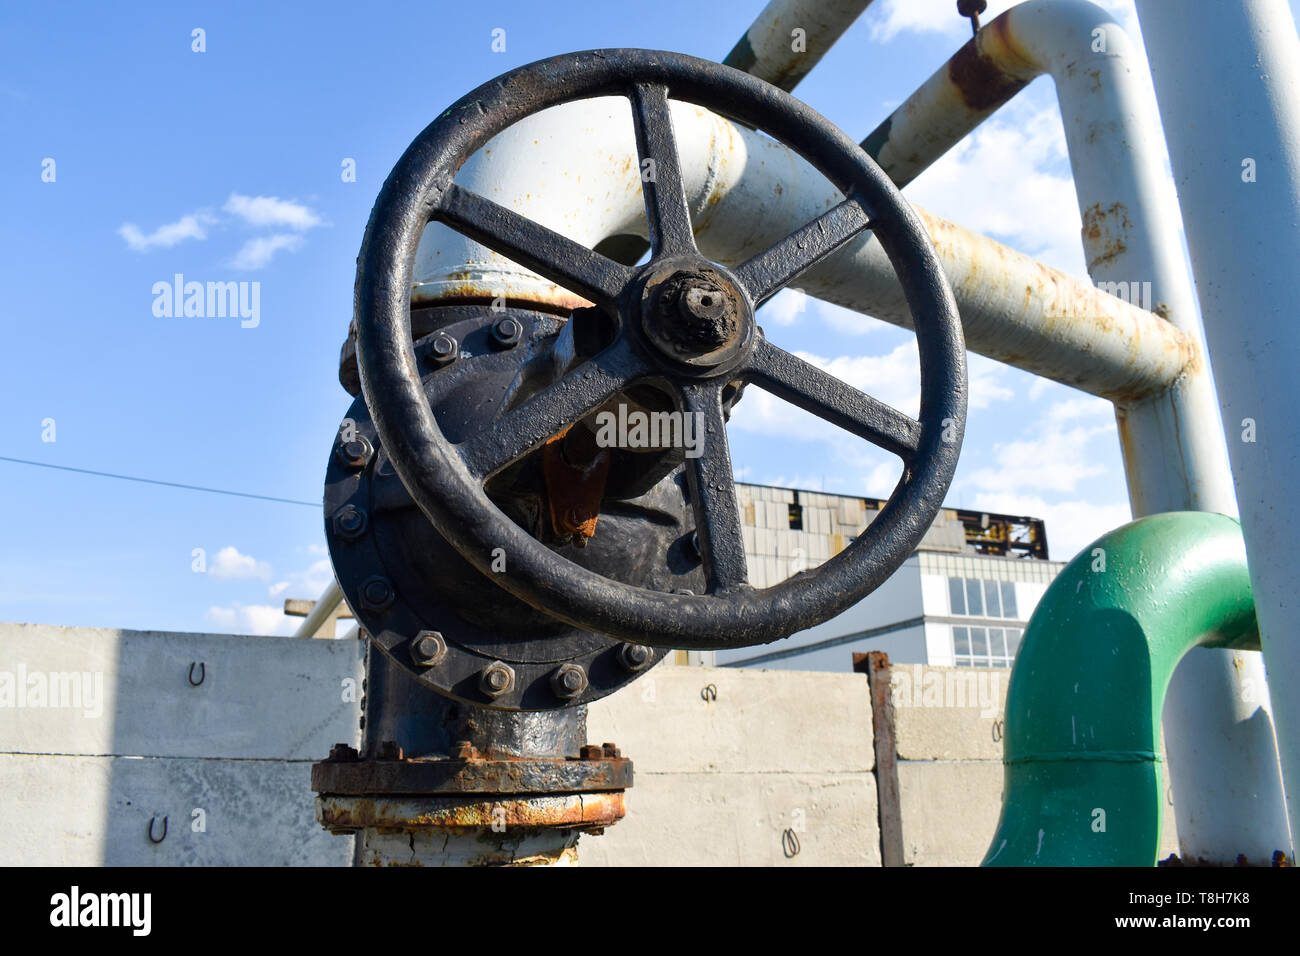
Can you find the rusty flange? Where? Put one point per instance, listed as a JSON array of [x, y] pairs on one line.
[[572, 811], [472, 776]]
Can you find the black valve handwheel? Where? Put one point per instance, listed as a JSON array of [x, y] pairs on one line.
[[681, 320]]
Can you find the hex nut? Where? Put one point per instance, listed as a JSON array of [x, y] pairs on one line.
[[635, 657], [507, 332], [376, 593], [444, 349], [496, 679], [568, 681], [356, 451], [428, 649], [350, 522]]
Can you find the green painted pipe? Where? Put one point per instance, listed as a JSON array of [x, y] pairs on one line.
[[1081, 754]]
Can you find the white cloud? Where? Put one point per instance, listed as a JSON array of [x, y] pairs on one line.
[[999, 181], [271, 211], [166, 236], [257, 252], [889, 18], [306, 584], [785, 307], [230, 565], [252, 619]]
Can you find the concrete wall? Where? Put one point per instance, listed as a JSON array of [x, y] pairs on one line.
[[727, 760], [79, 785]]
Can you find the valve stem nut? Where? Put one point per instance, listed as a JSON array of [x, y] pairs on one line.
[[428, 649], [497, 679], [350, 522], [507, 332], [443, 350], [356, 451], [568, 681], [635, 657], [376, 593]]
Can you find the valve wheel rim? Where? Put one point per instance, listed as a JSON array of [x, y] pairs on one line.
[[447, 481]]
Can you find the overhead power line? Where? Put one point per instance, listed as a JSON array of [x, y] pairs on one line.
[[168, 484]]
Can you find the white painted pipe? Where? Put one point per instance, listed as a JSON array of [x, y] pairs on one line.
[[330, 599], [1228, 79], [1227, 786], [789, 37], [574, 169]]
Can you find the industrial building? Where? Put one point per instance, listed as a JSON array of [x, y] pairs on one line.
[[962, 599]]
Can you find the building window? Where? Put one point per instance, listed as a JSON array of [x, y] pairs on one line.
[[985, 646], [970, 597]]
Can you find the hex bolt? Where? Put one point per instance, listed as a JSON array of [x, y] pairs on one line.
[[343, 753], [356, 451], [610, 751], [497, 679], [350, 522], [376, 593], [388, 750], [507, 332], [592, 752], [568, 681], [635, 657], [444, 349], [428, 649]]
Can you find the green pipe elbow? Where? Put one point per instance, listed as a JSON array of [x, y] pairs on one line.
[[1082, 782]]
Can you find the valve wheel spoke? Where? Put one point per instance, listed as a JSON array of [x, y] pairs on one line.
[[713, 489], [550, 411], [532, 245], [805, 385], [668, 218], [767, 273]]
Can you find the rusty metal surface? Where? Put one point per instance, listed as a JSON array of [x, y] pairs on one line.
[[579, 811], [772, 50], [471, 774]]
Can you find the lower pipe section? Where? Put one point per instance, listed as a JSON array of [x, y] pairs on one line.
[[1082, 784]]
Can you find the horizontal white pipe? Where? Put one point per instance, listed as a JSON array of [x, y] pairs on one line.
[[574, 168], [325, 605]]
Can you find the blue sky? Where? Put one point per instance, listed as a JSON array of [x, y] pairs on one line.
[[225, 165]]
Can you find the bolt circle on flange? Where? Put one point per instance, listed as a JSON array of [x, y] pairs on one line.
[[443, 349], [355, 452], [507, 332], [428, 649], [377, 593], [568, 681], [497, 679], [635, 657], [350, 522]]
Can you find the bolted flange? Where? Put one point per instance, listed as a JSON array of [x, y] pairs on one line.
[[356, 451], [497, 679], [350, 522], [377, 593], [443, 349], [507, 332], [568, 681], [635, 657], [428, 649]]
